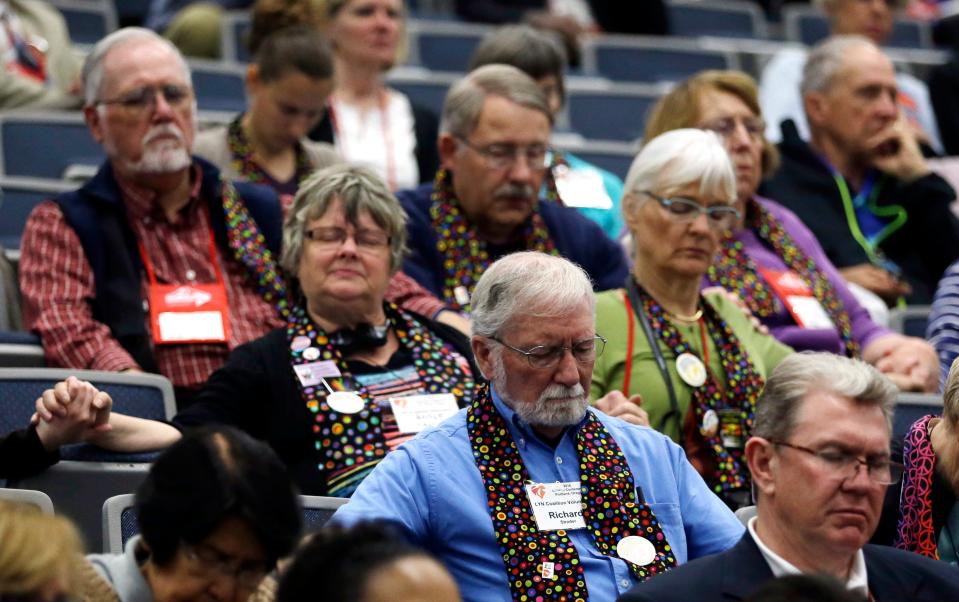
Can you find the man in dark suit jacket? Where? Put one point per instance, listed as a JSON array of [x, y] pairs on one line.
[[819, 458]]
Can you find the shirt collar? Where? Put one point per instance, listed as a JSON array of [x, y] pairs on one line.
[[140, 201], [857, 581]]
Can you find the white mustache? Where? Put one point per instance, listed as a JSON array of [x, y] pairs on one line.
[[558, 391], [163, 129]]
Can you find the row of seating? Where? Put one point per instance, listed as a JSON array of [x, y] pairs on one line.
[[119, 518], [80, 483], [90, 20]]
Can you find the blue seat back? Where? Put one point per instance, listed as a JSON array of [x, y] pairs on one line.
[[19, 197], [713, 19], [45, 146], [219, 87], [656, 64], [607, 116]]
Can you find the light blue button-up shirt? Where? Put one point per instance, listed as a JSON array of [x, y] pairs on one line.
[[430, 487]]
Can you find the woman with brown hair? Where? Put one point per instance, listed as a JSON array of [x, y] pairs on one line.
[[771, 260]]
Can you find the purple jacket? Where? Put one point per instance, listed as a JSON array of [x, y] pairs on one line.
[[782, 325]]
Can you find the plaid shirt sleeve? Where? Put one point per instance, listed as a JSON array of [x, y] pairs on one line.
[[57, 285], [408, 294]]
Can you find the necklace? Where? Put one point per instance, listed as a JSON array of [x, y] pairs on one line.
[[241, 148], [691, 318]]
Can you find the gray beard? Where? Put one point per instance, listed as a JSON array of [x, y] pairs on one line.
[[544, 411]]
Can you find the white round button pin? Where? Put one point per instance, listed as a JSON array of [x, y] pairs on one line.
[[299, 343], [710, 424], [345, 402], [311, 353], [691, 369], [638, 550]]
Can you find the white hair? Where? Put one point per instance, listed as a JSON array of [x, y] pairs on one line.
[[531, 284], [827, 59], [678, 158], [92, 73]]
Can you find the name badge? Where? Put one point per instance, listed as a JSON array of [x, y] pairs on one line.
[[556, 505], [582, 188], [189, 313], [313, 373], [415, 413], [798, 298]]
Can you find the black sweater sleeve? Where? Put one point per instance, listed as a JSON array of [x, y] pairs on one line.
[[22, 454]]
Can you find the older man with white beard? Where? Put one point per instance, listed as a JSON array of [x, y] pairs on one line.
[[157, 263], [529, 493]]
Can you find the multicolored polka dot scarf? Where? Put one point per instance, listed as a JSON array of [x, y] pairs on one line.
[[735, 271], [465, 256], [915, 531], [351, 445], [242, 151], [742, 387], [249, 249], [610, 508]]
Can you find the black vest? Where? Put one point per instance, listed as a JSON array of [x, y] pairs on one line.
[[98, 215]]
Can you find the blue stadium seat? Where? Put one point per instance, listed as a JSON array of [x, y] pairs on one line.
[[615, 114], [219, 86], [910, 407], [807, 25], [119, 518], [234, 29], [615, 157], [87, 20], [426, 90], [18, 196], [651, 60], [87, 475], [444, 45], [910, 320], [20, 350], [730, 18], [46, 145]]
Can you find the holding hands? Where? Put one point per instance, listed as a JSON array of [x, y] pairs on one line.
[[72, 411]]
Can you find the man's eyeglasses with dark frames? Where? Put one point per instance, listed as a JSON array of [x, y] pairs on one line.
[[144, 99], [845, 465], [548, 356]]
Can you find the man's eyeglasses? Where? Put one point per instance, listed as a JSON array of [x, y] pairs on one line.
[[845, 465], [144, 99], [720, 217], [364, 238], [548, 356], [726, 126], [207, 559], [503, 156]]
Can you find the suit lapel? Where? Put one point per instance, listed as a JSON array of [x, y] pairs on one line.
[[890, 582], [744, 569]]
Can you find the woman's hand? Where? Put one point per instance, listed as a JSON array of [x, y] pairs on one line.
[[71, 412], [910, 362], [618, 405]]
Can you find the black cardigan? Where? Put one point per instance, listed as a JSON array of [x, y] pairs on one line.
[[256, 392]]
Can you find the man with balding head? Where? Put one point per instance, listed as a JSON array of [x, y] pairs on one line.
[[861, 183], [483, 204], [156, 264]]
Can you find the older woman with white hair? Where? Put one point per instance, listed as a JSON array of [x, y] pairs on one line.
[[694, 361]]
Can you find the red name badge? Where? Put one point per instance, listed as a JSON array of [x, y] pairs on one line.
[[798, 299], [189, 313]]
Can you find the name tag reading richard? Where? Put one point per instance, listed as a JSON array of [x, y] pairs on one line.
[[414, 413], [556, 505]]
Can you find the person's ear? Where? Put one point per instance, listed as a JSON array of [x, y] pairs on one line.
[[763, 462], [91, 115], [483, 354], [448, 147], [816, 106], [252, 79]]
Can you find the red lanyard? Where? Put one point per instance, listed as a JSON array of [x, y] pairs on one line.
[[340, 139], [148, 266]]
